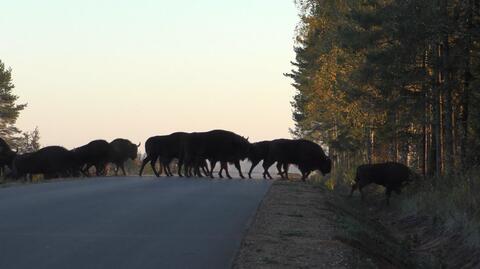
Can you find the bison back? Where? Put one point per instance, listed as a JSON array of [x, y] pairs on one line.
[[390, 174], [259, 151], [48, 160], [96, 151]]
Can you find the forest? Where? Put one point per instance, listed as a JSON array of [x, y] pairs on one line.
[[397, 80], [384, 80]]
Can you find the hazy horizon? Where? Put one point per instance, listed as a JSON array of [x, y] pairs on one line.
[[107, 69]]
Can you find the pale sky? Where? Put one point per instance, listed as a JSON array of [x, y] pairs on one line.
[[95, 69]]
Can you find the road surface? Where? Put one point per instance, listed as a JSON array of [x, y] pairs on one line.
[[127, 222]]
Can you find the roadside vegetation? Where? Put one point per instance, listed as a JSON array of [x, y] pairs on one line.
[[396, 81], [434, 223]]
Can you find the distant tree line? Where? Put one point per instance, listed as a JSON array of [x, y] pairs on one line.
[[394, 80], [27, 141]]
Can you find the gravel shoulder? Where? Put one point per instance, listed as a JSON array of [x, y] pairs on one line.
[[295, 228]]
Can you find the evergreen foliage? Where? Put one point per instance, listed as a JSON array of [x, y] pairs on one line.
[[394, 80]]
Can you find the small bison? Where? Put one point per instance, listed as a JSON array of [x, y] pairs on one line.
[[120, 151], [258, 152], [96, 153], [393, 176], [164, 148], [307, 155], [52, 162]]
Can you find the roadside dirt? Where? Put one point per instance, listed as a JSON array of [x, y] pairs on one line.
[[294, 228]]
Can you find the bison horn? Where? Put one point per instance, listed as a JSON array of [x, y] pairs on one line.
[[139, 144]]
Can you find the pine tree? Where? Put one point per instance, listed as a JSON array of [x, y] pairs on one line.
[[9, 109]]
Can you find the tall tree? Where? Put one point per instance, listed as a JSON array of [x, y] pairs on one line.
[[390, 80], [9, 109]]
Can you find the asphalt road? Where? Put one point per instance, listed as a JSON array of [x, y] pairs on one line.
[[128, 222]]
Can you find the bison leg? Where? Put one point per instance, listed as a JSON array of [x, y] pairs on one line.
[[197, 170], [144, 162], [123, 169], [205, 169], [116, 170], [285, 171], [86, 170], [212, 164], [220, 171], [169, 170], [166, 165], [190, 173], [152, 164], [237, 165], [279, 169], [354, 187], [222, 167], [361, 185], [266, 165], [100, 170], [225, 165], [254, 163], [180, 166], [304, 175]]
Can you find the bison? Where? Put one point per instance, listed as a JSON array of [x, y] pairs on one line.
[[214, 146], [393, 176], [6, 156], [52, 161], [307, 155], [258, 152], [96, 153], [164, 148], [120, 151]]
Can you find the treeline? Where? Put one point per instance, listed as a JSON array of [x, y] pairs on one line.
[[390, 80], [23, 141]]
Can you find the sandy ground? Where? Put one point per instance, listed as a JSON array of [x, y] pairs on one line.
[[294, 229]]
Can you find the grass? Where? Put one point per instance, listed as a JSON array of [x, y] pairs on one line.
[[435, 223]]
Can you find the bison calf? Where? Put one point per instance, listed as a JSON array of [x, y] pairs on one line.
[[120, 151], [393, 176]]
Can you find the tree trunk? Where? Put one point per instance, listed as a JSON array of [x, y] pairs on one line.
[[466, 86], [437, 116], [447, 94]]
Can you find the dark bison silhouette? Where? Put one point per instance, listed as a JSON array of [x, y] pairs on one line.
[[120, 151], [259, 152], [96, 153], [164, 148], [215, 146], [6, 156], [307, 155], [51, 162], [393, 176]]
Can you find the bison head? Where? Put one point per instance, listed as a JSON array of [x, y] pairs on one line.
[[133, 151], [242, 147], [325, 166]]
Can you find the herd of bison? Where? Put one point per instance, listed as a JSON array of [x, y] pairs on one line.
[[197, 155]]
